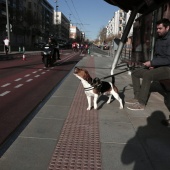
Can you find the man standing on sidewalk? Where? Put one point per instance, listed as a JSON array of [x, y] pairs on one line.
[[6, 44], [156, 69]]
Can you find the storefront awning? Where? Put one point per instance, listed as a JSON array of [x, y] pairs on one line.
[[126, 5]]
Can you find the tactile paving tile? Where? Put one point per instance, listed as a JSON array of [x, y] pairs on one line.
[[78, 147]]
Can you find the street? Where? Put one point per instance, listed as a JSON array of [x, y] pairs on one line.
[[24, 85]]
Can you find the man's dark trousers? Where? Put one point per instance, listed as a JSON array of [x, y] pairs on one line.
[[141, 91]]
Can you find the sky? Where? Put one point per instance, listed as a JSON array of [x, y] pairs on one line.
[[90, 16]]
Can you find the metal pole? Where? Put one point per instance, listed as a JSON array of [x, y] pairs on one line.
[[8, 26], [124, 36], [153, 33], [57, 26]]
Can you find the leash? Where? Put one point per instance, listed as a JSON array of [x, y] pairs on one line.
[[107, 77], [92, 87], [114, 75]]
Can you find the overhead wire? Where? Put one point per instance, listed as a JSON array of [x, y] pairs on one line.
[[70, 9], [81, 24]]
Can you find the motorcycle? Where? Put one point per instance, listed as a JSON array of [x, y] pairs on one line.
[[47, 55]]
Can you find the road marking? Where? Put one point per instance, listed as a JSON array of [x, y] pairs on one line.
[[18, 79], [29, 80], [27, 75], [6, 85], [82, 55], [19, 85], [43, 72], [3, 94], [34, 72], [66, 53], [37, 76]]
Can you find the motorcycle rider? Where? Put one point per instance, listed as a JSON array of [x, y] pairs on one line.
[[52, 42]]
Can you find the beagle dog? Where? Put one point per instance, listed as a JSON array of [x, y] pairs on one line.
[[95, 87]]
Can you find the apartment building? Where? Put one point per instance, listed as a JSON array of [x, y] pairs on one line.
[[31, 21], [76, 34], [62, 26], [117, 24]]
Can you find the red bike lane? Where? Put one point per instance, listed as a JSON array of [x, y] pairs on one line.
[[24, 85]]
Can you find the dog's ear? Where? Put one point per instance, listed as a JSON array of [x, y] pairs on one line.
[[87, 77], [96, 81]]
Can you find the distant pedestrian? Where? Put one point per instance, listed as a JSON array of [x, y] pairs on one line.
[[6, 44]]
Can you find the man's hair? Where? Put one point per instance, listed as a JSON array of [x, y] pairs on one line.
[[164, 21]]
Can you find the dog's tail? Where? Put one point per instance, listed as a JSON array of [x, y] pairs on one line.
[[113, 79]]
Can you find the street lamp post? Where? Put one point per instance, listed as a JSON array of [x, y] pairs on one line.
[[57, 27], [8, 26]]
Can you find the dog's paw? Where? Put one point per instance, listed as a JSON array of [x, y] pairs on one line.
[[121, 107], [95, 108], [89, 108]]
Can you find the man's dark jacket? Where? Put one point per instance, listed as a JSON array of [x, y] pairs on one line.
[[162, 52]]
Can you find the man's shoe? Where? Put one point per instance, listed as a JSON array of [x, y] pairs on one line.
[[131, 101], [136, 106]]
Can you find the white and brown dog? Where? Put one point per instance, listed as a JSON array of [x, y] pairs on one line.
[[95, 87]]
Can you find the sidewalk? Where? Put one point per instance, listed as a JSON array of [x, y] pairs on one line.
[[61, 134], [16, 54]]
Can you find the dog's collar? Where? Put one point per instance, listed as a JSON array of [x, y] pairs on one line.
[[98, 86], [89, 88]]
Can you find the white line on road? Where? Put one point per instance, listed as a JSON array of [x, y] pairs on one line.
[[19, 85], [6, 85], [43, 72], [27, 75], [34, 72], [37, 76], [29, 80], [18, 79], [3, 94]]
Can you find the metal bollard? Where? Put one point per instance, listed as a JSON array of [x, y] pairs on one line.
[[19, 49], [88, 51]]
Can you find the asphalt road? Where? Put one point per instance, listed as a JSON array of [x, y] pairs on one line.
[[24, 85]]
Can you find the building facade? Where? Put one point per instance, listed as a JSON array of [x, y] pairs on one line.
[[31, 21], [76, 34], [62, 26], [117, 24]]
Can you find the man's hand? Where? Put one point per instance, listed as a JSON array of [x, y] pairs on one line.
[[147, 64]]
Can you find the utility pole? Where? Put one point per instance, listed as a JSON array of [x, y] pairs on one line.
[[57, 26], [8, 26]]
